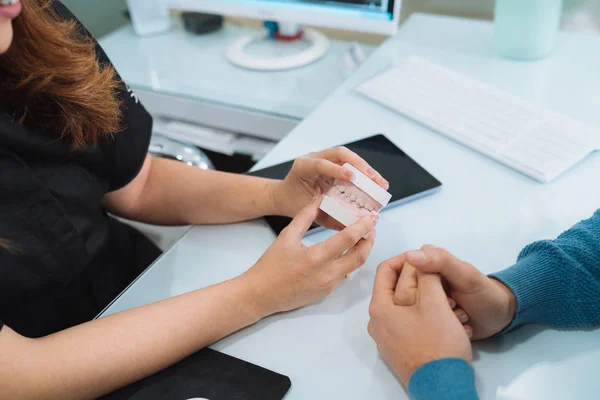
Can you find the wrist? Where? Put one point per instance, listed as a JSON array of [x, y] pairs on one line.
[[424, 361], [275, 201], [256, 297], [510, 302], [278, 199]]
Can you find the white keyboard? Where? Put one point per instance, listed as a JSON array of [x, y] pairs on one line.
[[522, 135]]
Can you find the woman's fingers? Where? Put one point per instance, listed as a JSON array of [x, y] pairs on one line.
[[322, 167], [342, 241], [357, 256], [341, 155], [303, 221]]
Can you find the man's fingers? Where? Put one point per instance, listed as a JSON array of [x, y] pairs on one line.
[[406, 289], [386, 279], [342, 241], [430, 289], [459, 274], [452, 303], [469, 331], [300, 224], [357, 256], [461, 315]]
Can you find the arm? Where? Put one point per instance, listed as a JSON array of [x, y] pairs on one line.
[[167, 192], [557, 282], [100, 356]]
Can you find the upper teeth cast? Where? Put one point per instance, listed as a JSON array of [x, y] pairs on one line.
[[8, 2]]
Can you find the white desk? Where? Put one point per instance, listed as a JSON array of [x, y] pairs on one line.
[[485, 214], [187, 77]]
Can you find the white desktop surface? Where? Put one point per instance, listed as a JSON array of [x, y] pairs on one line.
[[181, 64], [485, 214]]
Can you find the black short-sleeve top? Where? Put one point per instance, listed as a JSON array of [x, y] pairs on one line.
[[68, 258]]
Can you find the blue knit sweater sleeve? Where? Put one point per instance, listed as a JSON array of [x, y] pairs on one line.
[[557, 282], [445, 379]]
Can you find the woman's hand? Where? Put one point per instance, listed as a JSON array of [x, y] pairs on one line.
[[412, 321], [314, 174], [290, 275]]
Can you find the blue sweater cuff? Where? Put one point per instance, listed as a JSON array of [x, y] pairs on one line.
[[557, 283], [448, 378], [531, 284], [541, 292]]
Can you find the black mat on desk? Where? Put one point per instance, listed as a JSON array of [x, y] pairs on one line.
[[210, 375]]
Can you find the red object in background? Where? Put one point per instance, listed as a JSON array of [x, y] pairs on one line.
[[281, 37]]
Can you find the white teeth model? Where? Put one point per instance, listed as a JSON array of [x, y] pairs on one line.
[[8, 2]]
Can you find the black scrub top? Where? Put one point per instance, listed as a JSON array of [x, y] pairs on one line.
[[69, 258]]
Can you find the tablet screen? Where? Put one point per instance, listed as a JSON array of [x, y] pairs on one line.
[[408, 180]]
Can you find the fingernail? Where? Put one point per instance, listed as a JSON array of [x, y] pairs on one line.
[[417, 255], [375, 218], [463, 318], [452, 303], [348, 173]]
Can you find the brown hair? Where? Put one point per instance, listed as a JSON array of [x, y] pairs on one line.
[[50, 78]]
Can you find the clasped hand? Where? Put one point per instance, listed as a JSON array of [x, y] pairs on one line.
[[427, 303]]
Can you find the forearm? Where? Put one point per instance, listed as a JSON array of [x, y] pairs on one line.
[[557, 283], [448, 378], [172, 193], [100, 356]]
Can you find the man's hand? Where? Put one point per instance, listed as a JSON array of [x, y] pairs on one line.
[[490, 305], [409, 336]]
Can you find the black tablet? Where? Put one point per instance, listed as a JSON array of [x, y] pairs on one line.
[[408, 180], [210, 375]]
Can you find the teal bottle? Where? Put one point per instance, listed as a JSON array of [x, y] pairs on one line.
[[526, 29]]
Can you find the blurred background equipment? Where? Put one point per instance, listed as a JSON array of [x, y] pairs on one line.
[[164, 147], [200, 23], [104, 16], [286, 20], [527, 29]]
